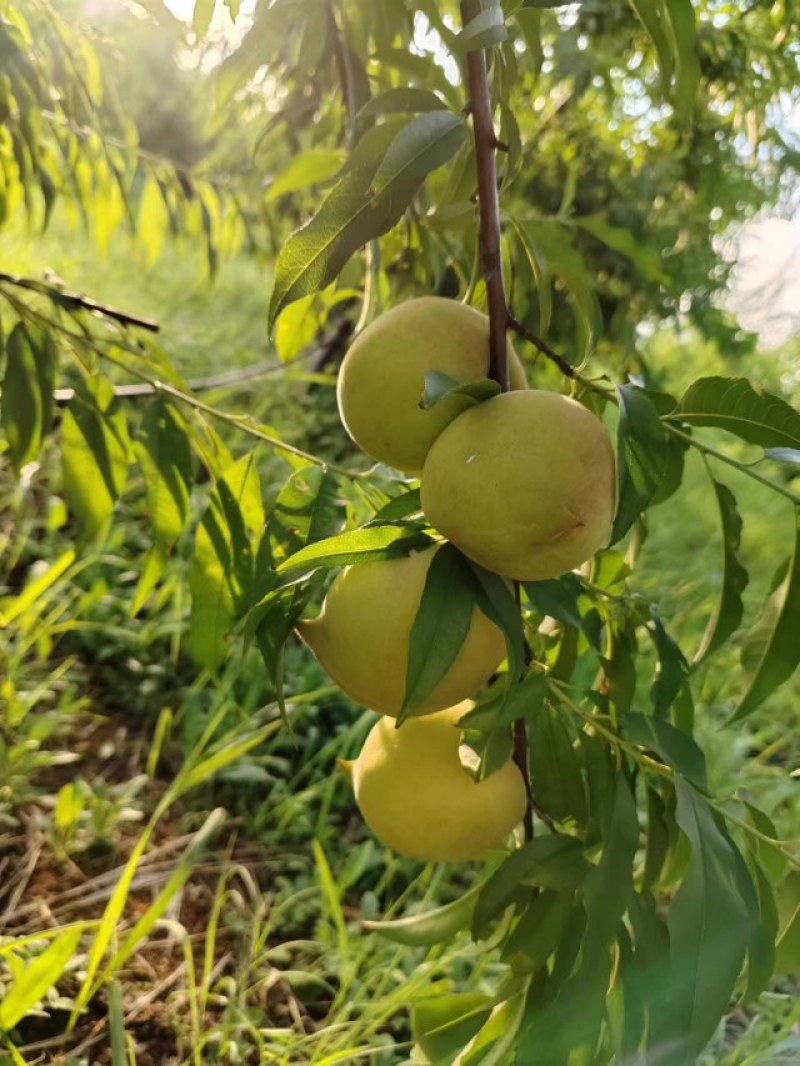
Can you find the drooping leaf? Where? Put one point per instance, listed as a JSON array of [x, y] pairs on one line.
[[555, 862], [370, 543], [497, 1036], [164, 454], [682, 22], [442, 1025], [440, 627], [385, 171], [641, 457], [670, 744], [495, 597], [652, 14], [409, 101], [773, 645], [311, 167], [95, 452], [485, 29], [741, 408], [556, 779], [306, 511], [709, 932], [26, 411], [646, 259], [728, 614], [220, 580], [570, 1023], [407, 503], [201, 16], [431, 927], [672, 668], [539, 931]]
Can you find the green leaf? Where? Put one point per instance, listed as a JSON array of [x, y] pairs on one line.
[[681, 17], [727, 616], [409, 101], [788, 947], [440, 627], [368, 544], [95, 450], [443, 1025], [558, 598], [555, 862], [201, 16], [311, 167], [539, 931], [220, 580], [407, 503], [552, 253], [384, 173], [27, 392], [742, 408], [163, 449], [555, 768], [570, 1024], [306, 511], [497, 1036], [641, 457], [672, 745], [36, 978], [709, 932], [486, 29], [646, 260], [495, 597], [672, 668], [652, 14], [773, 644], [432, 927], [152, 223], [439, 385]]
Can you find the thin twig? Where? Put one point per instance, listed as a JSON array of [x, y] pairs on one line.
[[318, 355], [543, 347], [65, 298]]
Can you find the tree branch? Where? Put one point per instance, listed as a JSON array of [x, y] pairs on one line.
[[542, 346], [64, 297], [480, 107]]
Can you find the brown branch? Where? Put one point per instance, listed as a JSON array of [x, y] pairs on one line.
[[68, 299], [544, 348], [480, 107]]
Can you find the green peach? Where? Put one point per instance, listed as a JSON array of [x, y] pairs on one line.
[[523, 484], [419, 801], [382, 376], [361, 636]]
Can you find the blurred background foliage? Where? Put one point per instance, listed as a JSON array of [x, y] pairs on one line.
[[158, 163]]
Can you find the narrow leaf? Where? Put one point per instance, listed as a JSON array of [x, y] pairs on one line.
[[27, 392], [776, 637], [440, 627], [727, 616], [641, 457], [432, 927], [709, 932], [368, 544]]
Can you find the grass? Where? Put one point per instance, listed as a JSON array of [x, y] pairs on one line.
[[169, 932]]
